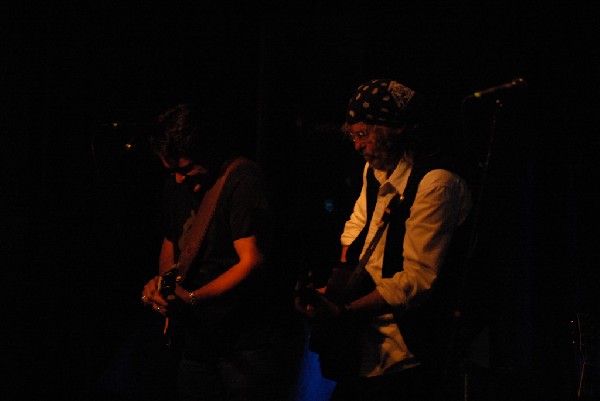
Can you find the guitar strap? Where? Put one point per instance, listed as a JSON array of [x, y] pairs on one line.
[[204, 215]]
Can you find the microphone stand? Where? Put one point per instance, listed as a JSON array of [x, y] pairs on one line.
[[471, 247]]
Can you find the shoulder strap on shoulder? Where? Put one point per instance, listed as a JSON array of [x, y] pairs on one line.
[[204, 215]]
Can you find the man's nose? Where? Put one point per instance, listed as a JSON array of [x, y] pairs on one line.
[[179, 178], [358, 145]]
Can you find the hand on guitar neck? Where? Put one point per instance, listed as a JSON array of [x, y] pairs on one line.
[[167, 283], [159, 291], [315, 305]]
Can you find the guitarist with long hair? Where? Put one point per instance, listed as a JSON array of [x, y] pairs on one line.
[[379, 337]]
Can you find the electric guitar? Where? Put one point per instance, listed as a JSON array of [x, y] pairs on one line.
[[339, 341]]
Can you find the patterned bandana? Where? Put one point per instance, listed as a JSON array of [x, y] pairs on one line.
[[381, 102]]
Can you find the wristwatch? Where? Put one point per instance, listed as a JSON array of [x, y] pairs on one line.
[[192, 297]]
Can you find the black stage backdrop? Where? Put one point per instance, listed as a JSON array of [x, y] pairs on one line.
[[80, 82]]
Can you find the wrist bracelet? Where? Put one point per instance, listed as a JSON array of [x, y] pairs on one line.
[[193, 299]]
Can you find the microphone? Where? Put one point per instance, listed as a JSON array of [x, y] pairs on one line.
[[116, 125], [517, 83], [131, 128], [122, 125]]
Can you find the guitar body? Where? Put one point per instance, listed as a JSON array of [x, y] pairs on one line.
[[338, 342]]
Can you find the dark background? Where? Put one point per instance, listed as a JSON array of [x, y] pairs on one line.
[[80, 211]]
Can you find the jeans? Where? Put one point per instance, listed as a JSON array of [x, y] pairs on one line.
[[248, 375]]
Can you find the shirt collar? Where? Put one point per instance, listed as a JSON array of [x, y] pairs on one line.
[[397, 180]]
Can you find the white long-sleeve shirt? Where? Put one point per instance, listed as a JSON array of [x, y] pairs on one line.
[[442, 203]]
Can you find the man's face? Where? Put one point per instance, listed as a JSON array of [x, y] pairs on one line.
[[372, 146], [187, 173]]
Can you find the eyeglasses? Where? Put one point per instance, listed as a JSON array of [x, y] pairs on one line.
[[360, 136]]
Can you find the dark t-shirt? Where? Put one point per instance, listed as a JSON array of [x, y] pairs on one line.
[[242, 211]]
